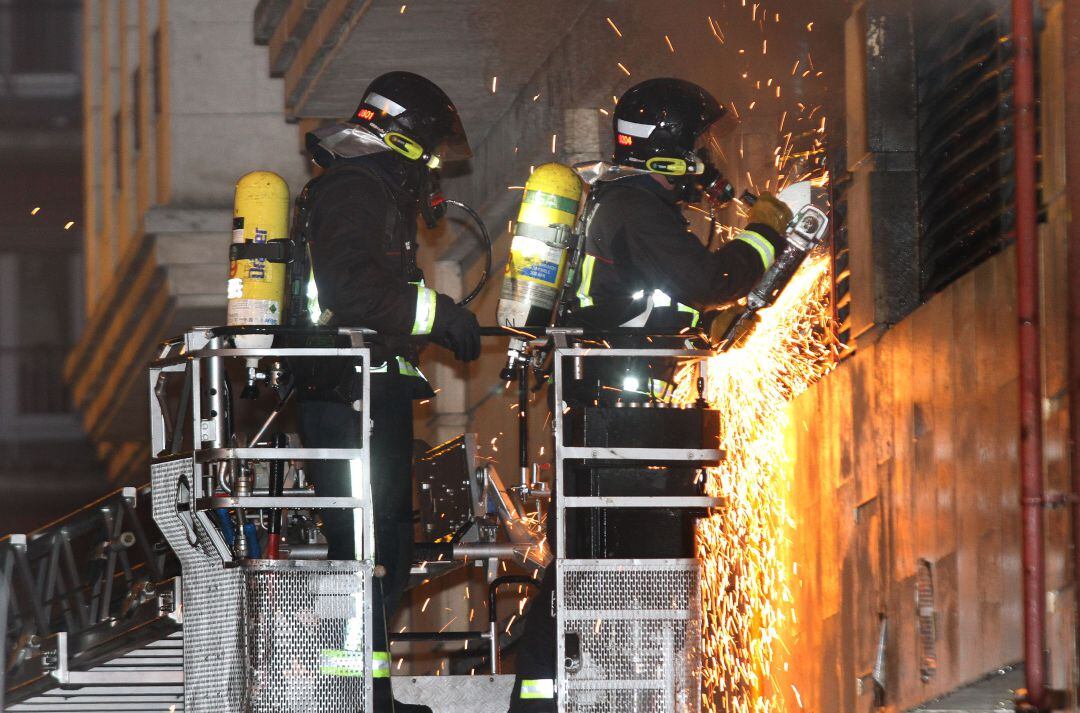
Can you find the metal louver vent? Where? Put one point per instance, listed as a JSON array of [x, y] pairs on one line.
[[927, 619], [839, 187], [965, 146]]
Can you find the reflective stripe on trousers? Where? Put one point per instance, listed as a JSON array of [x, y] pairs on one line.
[[537, 689], [404, 366], [380, 664], [658, 298]]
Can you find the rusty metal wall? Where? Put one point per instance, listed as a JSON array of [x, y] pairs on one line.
[[904, 461], [905, 467]]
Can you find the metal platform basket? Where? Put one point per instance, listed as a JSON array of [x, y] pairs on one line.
[[639, 627], [287, 636]]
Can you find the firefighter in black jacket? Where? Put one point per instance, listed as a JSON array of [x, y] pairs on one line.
[[644, 268], [361, 226]]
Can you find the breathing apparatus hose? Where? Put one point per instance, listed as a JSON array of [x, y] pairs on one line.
[[486, 240]]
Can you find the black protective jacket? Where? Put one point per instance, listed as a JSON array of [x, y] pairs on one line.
[[637, 242], [361, 229]]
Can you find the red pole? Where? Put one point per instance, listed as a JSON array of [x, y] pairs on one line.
[[1072, 171], [1027, 284]]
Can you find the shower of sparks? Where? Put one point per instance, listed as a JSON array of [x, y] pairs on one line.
[[669, 45], [748, 574], [624, 69], [613, 26], [747, 597]]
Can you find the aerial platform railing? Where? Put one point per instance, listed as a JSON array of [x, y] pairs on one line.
[[199, 422], [210, 479], [628, 628], [260, 634]]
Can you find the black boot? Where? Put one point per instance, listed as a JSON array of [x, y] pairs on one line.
[[383, 700]]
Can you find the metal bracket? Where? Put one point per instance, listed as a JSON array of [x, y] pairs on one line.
[[206, 430]]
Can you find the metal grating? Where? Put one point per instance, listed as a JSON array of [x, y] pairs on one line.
[[639, 627], [965, 145], [306, 636], [212, 595]]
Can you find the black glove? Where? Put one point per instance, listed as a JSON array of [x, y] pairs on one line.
[[456, 329]]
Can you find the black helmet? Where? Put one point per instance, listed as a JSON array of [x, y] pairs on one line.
[[659, 122], [414, 118]]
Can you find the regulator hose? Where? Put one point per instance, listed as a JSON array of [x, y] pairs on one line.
[[486, 239]]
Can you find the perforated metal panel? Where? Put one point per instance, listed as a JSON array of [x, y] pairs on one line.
[[639, 629], [279, 636], [306, 638], [212, 596]]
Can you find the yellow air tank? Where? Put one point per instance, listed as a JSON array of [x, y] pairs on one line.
[[257, 274], [539, 252]]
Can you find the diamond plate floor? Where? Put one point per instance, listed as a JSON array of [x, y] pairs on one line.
[[994, 694], [456, 694]]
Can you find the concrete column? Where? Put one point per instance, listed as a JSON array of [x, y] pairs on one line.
[[586, 134], [451, 406]]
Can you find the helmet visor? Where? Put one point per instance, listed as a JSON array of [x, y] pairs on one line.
[[455, 144], [346, 140], [709, 145]]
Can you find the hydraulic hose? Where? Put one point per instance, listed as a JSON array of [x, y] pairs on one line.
[[485, 239], [277, 488]]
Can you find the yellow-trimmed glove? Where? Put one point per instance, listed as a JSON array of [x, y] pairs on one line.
[[771, 211]]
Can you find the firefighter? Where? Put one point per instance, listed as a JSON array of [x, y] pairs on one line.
[[360, 217], [644, 268]]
